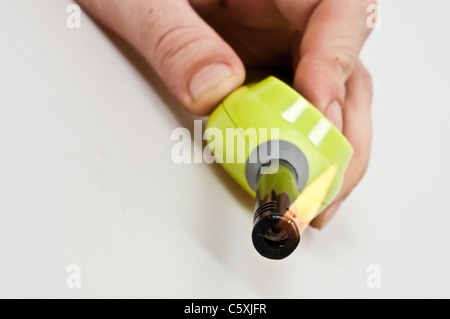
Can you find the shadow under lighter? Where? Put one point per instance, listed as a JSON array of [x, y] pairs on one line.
[[283, 152]]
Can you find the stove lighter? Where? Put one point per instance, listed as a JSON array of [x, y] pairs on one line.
[[283, 152]]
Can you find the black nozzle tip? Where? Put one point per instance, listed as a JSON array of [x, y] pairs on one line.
[[275, 236]]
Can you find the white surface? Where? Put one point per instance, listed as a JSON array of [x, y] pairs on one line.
[[86, 176]]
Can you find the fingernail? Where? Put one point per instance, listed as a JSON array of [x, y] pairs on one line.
[[209, 78], [330, 213], [334, 114]]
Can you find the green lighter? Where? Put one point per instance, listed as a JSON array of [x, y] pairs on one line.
[[283, 152]]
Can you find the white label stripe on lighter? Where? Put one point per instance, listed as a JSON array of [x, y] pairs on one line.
[[319, 131], [295, 111]]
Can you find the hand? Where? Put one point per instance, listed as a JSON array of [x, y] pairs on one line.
[[199, 47]]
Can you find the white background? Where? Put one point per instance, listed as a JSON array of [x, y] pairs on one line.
[[86, 175]]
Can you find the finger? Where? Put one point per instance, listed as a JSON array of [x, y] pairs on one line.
[[358, 130], [197, 66], [331, 43], [358, 125]]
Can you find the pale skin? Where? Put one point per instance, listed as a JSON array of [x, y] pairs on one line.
[[200, 49]]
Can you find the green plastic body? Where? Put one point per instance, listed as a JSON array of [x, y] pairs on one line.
[[272, 104]]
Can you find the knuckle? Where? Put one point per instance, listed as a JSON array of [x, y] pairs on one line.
[[353, 178], [369, 85], [364, 165], [366, 79], [344, 61], [361, 161], [174, 42]]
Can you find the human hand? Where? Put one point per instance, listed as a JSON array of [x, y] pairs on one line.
[[199, 48]]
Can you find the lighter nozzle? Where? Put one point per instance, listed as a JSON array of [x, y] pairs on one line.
[[276, 231]]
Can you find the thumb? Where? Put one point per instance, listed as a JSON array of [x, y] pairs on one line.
[[329, 50], [198, 67]]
